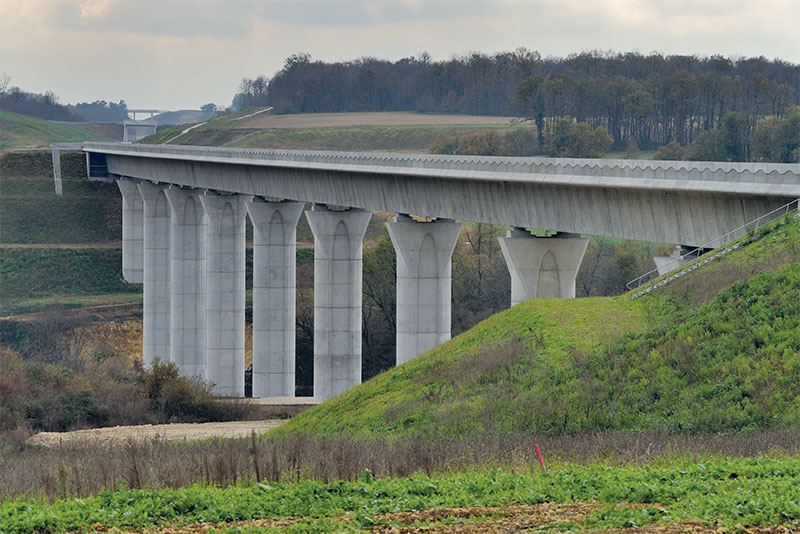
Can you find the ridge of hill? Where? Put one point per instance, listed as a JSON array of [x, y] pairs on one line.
[[718, 350], [385, 131], [18, 131]]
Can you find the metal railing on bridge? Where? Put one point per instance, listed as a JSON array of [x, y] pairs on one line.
[[709, 251]]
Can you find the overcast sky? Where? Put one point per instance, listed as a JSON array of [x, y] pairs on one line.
[[179, 54]]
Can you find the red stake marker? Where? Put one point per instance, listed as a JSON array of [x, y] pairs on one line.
[[539, 455]]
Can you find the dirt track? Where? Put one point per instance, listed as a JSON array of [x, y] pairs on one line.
[[173, 432], [333, 120], [480, 520]]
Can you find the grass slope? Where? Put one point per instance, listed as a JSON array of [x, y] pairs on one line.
[[719, 351], [332, 131], [31, 213], [88, 212], [18, 130]]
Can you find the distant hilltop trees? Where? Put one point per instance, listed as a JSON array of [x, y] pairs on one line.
[[653, 99], [46, 106]]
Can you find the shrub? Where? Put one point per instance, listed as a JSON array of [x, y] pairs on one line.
[[672, 151]]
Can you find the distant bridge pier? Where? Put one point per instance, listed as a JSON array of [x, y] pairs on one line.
[[225, 291], [338, 239], [132, 231], [542, 267], [274, 295], [424, 252], [187, 281], [156, 273]]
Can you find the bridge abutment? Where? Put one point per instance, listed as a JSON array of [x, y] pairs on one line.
[[225, 291], [274, 287], [156, 273], [424, 285], [338, 239], [542, 267], [132, 231], [188, 281]]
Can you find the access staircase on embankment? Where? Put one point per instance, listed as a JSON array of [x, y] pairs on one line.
[[720, 246]]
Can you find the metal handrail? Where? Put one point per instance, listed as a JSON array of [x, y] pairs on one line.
[[727, 237]]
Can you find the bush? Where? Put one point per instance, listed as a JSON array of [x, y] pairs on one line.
[[672, 151], [485, 143], [578, 140]]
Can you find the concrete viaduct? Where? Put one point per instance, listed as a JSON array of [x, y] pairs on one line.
[[184, 212]]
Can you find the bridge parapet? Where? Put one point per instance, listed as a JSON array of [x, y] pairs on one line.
[[774, 173]]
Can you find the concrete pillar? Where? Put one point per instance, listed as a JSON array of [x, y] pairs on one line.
[[188, 282], [424, 252], [338, 239], [542, 267], [57, 172], [225, 264], [132, 231], [156, 274], [274, 288]]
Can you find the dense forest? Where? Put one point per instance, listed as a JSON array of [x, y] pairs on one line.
[[654, 99]]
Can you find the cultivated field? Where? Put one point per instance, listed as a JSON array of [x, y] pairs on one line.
[[336, 120]]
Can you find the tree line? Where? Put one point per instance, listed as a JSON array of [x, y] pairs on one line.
[[45, 106], [653, 99]]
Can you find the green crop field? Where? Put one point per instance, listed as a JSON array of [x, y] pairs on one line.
[[25, 131], [721, 491]]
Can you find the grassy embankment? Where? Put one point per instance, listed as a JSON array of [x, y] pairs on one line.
[[89, 213], [18, 131], [352, 131], [717, 351]]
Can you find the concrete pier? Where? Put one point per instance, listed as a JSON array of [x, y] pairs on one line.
[[274, 288], [424, 252], [188, 281], [667, 264], [132, 231], [57, 172], [225, 287], [156, 274], [542, 267], [338, 239]]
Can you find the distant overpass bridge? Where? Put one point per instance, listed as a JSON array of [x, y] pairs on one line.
[[184, 210]]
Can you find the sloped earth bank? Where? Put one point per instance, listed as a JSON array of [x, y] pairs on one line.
[[547, 517]]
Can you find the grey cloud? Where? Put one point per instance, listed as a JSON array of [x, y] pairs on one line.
[[233, 18]]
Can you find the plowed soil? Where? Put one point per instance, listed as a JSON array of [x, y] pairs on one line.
[[479, 520], [336, 120]]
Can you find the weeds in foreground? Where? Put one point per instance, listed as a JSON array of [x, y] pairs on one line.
[[88, 468]]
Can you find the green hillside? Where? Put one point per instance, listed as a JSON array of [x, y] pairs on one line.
[[351, 131], [718, 350], [25, 131], [88, 212]]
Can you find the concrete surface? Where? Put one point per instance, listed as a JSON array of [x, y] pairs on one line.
[[274, 294], [424, 251], [225, 291], [338, 239], [542, 267], [187, 282], [689, 203], [156, 274], [132, 231]]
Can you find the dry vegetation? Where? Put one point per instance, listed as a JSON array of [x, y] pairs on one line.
[[63, 471]]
